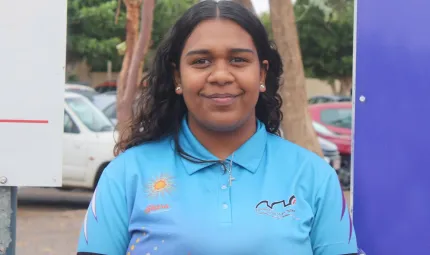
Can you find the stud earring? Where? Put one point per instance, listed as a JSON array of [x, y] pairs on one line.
[[178, 88], [262, 86]]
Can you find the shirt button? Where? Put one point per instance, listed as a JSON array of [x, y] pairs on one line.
[[224, 206], [224, 186]]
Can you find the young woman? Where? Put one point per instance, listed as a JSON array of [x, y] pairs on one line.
[[204, 171]]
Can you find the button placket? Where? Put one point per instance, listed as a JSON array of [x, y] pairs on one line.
[[224, 199]]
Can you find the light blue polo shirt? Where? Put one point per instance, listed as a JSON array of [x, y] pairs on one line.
[[283, 200]]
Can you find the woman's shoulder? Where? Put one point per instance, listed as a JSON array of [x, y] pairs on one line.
[[150, 149], [303, 159], [284, 144], [133, 159]]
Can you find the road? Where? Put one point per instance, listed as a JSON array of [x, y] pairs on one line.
[[49, 220]]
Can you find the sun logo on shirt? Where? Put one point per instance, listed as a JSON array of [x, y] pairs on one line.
[[160, 186]]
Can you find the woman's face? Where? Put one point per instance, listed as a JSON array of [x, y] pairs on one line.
[[220, 75]]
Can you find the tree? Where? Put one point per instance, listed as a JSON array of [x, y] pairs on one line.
[[325, 30], [265, 19], [96, 28], [92, 33], [326, 41], [297, 125], [166, 13], [137, 44], [152, 30]]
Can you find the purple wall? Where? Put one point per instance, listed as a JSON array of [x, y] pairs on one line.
[[392, 127]]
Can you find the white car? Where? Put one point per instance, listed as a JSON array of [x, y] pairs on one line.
[[88, 142]]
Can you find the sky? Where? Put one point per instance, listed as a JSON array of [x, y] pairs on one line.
[[261, 5]]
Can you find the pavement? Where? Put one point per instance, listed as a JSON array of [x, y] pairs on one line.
[[49, 220]]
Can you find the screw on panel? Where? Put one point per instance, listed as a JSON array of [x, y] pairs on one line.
[[3, 180], [362, 98]]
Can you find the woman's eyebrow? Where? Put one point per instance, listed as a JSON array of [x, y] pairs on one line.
[[240, 50], [197, 52], [205, 51]]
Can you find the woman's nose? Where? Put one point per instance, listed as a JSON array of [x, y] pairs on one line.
[[221, 74]]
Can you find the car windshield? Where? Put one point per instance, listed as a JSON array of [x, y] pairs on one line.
[[339, 117], [92, 117], [102, 101]]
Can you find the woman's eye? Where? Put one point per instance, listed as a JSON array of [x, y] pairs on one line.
[[201, 62], [238, 60]]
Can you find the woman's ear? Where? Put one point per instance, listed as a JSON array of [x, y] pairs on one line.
[[263, 71], [177, 79], [176, 74]]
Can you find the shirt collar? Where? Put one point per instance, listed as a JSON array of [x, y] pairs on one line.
[[248, 156]]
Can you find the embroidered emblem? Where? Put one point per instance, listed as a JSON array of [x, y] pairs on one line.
[[157, 208], [150, 247], [279, 209], [160, 186]]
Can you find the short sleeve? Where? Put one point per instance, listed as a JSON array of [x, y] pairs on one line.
[[332, 231], [105, 226]]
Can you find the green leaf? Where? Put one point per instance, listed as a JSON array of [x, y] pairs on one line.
[[93, 35]]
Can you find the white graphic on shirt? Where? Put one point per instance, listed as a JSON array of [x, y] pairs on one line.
[[93, 204], [93, 210], [85, 227], [278, 209]]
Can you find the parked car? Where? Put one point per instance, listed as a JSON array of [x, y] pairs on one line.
[[106, 102], [335, 117], [330, 152], [106, 86], [333, 121], [343, 142], [88, 142], [328, 99], [81, 89]]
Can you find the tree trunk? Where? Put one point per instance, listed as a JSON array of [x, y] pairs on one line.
[[132, 31], [137, 44], [332, 85], [247, 4], [345, 86], [296, 125]]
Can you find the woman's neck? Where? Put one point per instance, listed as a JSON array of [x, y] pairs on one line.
[[223, 144]]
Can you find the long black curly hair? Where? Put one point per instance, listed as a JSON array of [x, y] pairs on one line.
[[159, 110]]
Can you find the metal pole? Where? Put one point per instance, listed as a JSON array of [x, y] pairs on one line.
[[8, 209]]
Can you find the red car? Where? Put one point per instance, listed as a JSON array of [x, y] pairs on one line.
[[333, 121]]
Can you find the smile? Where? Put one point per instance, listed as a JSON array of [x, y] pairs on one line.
[[222, 99]]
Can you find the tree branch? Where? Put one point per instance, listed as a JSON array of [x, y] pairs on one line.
[[118, 11], [141, 47]]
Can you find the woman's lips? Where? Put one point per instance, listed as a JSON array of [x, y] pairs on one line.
[[222, 99]]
